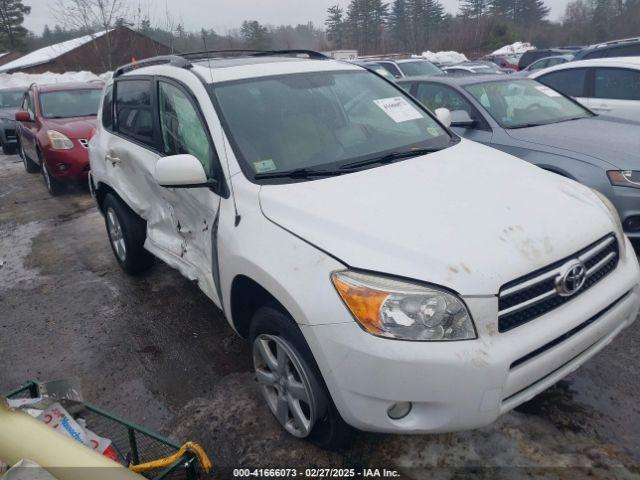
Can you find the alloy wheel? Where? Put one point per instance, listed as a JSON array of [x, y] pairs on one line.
[[284, 384], [115, 234]]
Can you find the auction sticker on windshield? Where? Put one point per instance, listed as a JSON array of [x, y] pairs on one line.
[[398, 109], [263, 166]]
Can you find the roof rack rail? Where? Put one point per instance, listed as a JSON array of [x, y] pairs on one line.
[[182, 60], [175, 60], [615, 42], [211, 54]]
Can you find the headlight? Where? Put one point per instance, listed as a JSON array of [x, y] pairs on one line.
[[624, 178], [403, 310], [59, 141], [613, 212]]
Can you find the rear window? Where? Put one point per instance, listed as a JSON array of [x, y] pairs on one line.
[[134, 111], [617, 83]]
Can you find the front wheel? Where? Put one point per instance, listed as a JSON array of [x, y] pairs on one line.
[[53, 186], [127, 234], [291, 383]]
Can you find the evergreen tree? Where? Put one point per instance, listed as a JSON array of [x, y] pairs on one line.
[[255, 36], [530, 12], [335, 26], [474, 8], [399, 24], [12, 33], [365, 24]]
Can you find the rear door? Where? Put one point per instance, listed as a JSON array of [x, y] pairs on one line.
[[616, 92], [131, 149]]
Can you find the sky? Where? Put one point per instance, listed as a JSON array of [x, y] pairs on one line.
[[223, 15]]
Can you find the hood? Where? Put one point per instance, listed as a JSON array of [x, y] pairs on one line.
[[469, 217], [79, 127], [615, 142], [8, 113]]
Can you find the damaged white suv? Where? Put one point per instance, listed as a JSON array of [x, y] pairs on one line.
[[390, 275]]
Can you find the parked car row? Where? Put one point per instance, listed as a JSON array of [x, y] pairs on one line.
[[392, 274]]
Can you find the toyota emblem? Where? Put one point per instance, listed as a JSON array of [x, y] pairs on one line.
[[571, 279]]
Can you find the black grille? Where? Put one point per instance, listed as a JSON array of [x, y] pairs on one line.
[[514, 319]]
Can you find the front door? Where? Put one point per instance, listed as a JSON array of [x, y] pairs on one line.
[[183, 130]]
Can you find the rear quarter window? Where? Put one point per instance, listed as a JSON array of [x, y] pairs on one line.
[[107, 109]]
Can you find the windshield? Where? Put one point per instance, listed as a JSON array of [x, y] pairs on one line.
[[418, 68], [70, 103], [321, 119], [11, 99], [522, 103]]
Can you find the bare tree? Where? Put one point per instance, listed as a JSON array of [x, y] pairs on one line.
[[94, 17]]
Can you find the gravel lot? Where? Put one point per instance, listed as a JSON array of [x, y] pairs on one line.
[[156, 351]]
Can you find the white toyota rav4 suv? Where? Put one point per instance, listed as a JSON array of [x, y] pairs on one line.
[[390, 275]]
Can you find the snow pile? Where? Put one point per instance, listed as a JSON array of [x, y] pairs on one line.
[[10, 80], [45, 54], [514, 48], [444, 58]]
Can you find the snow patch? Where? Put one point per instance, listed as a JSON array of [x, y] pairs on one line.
[[46, 54], [11, 80], [444, 58], [514, 48]]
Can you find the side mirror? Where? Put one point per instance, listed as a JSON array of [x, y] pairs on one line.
[[444, 115], [181, 171], [461, 118], [23, 116]]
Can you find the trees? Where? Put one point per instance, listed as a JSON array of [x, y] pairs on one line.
[[254, 35], [335, 26], [365, 24], [12, 33], [398, 24]]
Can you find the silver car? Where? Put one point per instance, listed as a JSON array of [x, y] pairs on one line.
[[542, 126]]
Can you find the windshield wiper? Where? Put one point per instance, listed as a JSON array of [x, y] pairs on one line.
[[389, 157], [299, 173]]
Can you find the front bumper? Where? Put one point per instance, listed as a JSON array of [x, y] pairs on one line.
[[68, 165], [468, 384]]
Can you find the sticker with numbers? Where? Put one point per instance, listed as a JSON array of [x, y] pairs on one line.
[[398, 109]]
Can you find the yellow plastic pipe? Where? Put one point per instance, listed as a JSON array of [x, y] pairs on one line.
[[22, 436]]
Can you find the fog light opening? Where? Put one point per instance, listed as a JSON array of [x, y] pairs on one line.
[[399, 410], [61, 167], [632, 224]]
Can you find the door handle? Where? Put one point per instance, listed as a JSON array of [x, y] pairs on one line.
[[112, 158]]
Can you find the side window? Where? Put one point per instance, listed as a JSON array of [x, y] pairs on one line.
[[617, 83], [570, 82], [28, 98], [107, 109], [134, 111], [632, 50], [181, 127], [392, 69], [437, 96]]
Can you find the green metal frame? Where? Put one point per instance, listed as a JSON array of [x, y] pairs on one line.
[[188, 459]]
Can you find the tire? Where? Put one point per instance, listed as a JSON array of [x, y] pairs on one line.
[[273, 329], [29, 165], [8, 149], [53, 186], [127, 233]]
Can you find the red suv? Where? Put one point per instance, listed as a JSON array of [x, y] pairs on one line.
[[53, 128]]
